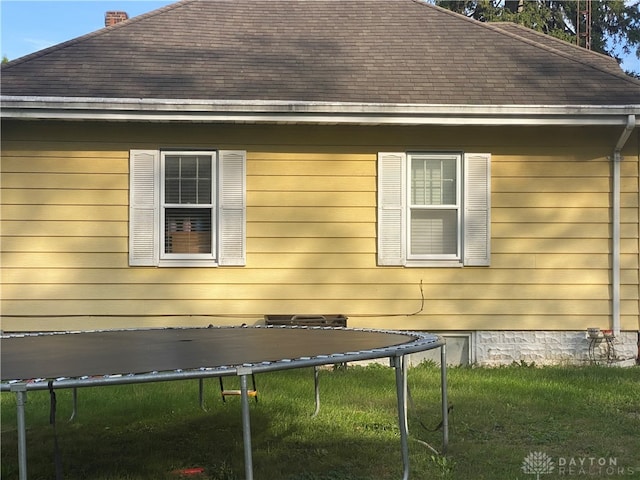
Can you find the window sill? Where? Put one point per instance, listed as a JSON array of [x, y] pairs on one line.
[[187, 263], [433, 264]]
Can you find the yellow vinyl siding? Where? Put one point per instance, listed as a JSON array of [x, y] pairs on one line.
[[311, 227], [302, 291], [62, 228], [338, 276], [14, 196], [70, 213]]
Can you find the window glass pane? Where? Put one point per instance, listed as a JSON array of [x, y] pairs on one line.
[[188, 190], [204, 180], [433, 232], [172, 179], [433, 181], [204, 190], [187, 179], [187, 230], [188, 166], [172, 167]]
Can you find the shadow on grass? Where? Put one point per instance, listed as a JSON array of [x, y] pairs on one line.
[[131, 443]]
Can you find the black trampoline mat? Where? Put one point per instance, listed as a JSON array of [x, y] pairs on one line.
[[75, 355]]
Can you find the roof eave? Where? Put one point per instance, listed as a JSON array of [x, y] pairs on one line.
[[266, 111]]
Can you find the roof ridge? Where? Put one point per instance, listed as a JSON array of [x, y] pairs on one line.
[[95, 33], [493, 26], [552, 39]]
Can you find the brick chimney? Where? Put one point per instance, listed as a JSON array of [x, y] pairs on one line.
[[111, 18]]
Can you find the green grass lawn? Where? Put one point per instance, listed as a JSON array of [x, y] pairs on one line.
[[576, 417]]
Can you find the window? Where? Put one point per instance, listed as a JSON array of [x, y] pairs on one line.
[[187, 208], [187, 214], [433, 209]]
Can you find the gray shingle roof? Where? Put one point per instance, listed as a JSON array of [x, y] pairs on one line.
[[372, 51]]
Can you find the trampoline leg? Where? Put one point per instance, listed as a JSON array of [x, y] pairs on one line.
[[401, 384], [405, 389], [246, 424], [21, 399], [316, 383], [201, 393], [445, 406], [75, 405]]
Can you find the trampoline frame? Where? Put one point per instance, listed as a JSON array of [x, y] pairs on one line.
[[396, 353]]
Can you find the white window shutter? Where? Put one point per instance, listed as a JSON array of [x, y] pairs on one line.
[[144, 178], [232, 212], [391, 208], [477, 209]]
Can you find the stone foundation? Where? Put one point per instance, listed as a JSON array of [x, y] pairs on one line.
[[494, 348]]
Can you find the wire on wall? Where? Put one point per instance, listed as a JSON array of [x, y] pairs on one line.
[[211, 315]]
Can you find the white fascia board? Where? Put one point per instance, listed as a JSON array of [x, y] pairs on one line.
[[170, 110]]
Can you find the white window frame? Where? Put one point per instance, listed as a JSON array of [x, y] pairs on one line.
[[457, 206], [393, 234], [167, 259]]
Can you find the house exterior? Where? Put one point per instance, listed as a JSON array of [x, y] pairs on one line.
[[213, 162]]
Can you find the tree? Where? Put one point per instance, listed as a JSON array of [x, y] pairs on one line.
[[615, 24]]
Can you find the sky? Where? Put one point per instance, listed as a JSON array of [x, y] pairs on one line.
[[27, 26], [31, 25]]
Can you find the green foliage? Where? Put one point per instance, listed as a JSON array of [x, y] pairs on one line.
[[615, 24], [445, 466]]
